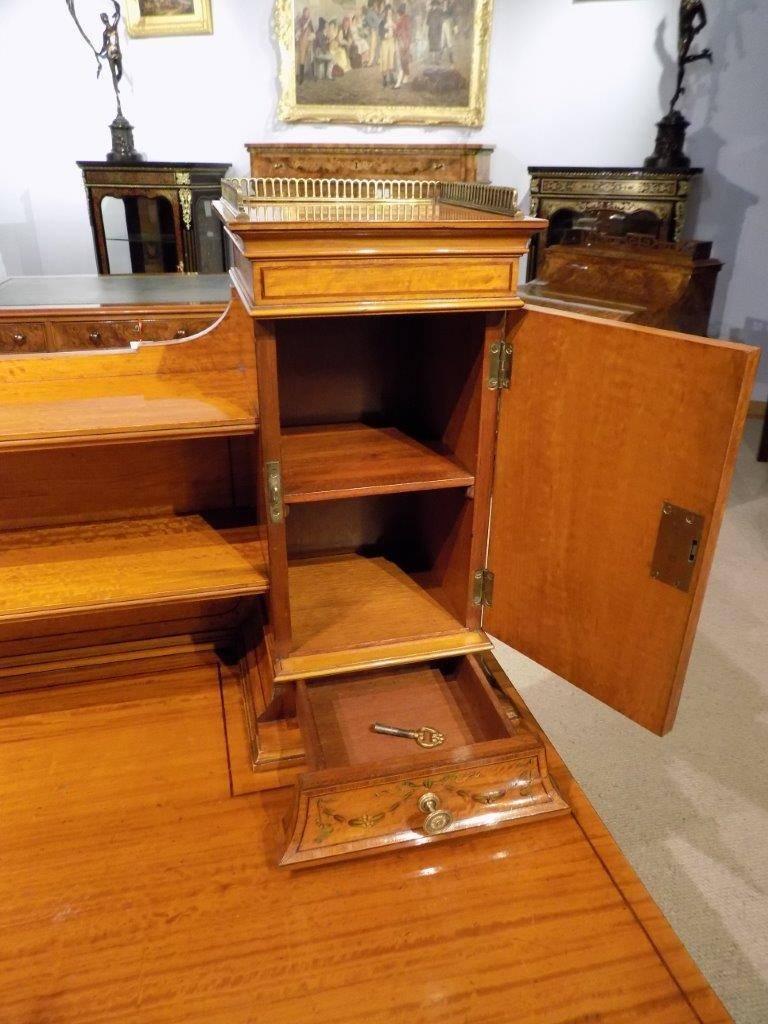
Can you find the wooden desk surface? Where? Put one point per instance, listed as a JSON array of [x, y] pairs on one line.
[[136, 890]]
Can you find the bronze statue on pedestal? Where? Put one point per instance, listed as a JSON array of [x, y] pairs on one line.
[[122, 132], [670, 138], [693, 19]]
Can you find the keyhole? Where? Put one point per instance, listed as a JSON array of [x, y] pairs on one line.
[[694, 550]]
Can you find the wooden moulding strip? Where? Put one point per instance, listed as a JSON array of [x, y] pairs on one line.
[[79, 665], [316, 666]]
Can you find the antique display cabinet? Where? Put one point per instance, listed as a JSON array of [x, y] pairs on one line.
[[154, 216], [624, 200]]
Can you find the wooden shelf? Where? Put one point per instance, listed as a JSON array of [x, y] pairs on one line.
[[351, 612], [46, 413], [125, 563], [351, 460]]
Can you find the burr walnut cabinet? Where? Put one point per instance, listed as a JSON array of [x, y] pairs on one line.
[[372, 460], [334, 160]]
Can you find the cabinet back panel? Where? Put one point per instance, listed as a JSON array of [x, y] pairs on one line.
[[411, 529], [427, 534], [47, 488], [419, 373]]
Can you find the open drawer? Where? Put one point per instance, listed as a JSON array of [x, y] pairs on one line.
[[366, 792]]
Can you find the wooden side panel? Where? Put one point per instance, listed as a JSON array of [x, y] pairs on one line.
[[602, 425], [269, 449]]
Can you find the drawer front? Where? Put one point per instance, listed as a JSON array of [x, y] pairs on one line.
[[344, 822], [22, 337], [393, 280], [170, 328], [72, 335]]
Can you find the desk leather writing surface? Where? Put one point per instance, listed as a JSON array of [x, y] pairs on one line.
[[47, 291]]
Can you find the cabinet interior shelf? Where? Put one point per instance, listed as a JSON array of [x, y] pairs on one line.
[[45, 413], [126, 563], [347, 460], [349, 611]]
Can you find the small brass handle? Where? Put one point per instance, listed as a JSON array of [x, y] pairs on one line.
[[277, 164], [438, 165], [95, 335], [181, 333], [437, 818], [19, 338]]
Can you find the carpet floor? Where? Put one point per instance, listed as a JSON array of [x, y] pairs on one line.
[[690, 811]]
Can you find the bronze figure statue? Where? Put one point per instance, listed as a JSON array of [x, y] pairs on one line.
[[110, 49], [122, 131], [693, 18], [670, 138]]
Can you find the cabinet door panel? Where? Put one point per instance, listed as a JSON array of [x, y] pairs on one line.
[[603, 425]]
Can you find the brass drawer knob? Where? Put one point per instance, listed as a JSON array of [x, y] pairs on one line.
[[95, 335], [181, 333], [437, 818], [19, 338]]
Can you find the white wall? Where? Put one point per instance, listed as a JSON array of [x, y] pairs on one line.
[[571, 82]]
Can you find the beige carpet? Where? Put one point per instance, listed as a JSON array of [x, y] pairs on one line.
[[690, 811]]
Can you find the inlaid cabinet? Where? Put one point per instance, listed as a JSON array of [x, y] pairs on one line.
[[326, 501]]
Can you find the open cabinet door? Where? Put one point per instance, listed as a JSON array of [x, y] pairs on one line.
[[615, 451]]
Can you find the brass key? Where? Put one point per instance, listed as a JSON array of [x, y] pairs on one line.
[[424, 736]]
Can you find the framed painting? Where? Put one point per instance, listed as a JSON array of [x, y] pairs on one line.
[[384, 61], [168, 17]]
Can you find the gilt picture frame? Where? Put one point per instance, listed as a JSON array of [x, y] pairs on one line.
[[146, 18], [384, 61]]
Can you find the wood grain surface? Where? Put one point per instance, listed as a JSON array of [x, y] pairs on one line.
[[135, 890], [344, 601], [200, 386], [351, 459], [602, 425], [72, 569]]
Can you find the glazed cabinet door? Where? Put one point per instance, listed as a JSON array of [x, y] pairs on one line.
[[615, 451]]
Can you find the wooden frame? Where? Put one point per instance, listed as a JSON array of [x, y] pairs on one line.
[[199, 21]]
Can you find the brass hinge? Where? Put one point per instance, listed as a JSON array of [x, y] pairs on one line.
[[500, 371], [274, 491], [482, 591]]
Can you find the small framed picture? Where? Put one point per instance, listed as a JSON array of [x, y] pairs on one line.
[[168, 17], [384, 61]]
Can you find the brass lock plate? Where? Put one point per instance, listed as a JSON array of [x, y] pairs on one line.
[[677, 546]]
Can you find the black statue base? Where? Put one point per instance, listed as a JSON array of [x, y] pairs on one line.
[[670, 141], [122, 151]]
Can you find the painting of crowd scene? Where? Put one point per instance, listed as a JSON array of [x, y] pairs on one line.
[[385, 53]]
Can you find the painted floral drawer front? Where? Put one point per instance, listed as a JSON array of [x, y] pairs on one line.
[[386, 812]]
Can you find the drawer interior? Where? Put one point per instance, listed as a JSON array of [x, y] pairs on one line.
[[451, 696]]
